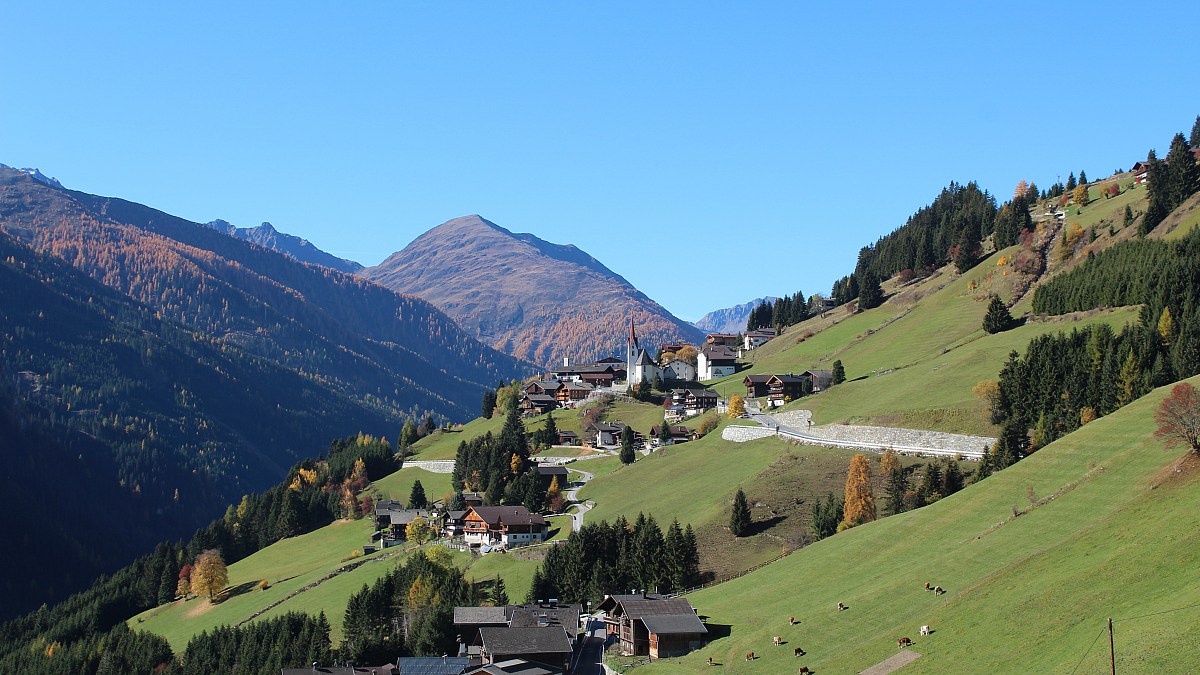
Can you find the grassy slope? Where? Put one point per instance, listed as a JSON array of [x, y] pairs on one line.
[[1034, 592]]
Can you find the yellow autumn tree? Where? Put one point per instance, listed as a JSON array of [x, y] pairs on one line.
[[737, 407], [418, 531], [1166, 326], [860, 500], [209, 576], [1081, 195], [889, 462]]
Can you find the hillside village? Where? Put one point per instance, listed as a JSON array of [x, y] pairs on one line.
[[733, 504]]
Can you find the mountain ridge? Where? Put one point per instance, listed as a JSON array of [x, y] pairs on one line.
[[301, 249], [534, 299], [730, 319]]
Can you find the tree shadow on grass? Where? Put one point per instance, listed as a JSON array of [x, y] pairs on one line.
[[234, 591], [760, 526]]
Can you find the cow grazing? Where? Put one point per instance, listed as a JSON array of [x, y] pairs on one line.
[[797, 652], [749, 656], [904, 642], [804, 670], [937, 590], [925, 630], [777, 640], [710, 661], [791, 621], [841, 607], [928, 587]]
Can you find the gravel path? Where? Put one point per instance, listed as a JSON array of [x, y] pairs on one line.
[[892, 664]]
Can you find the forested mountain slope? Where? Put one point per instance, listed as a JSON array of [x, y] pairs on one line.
[[199, 366]]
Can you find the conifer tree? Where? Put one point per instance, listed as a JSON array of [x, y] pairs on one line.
[[968, 248], [931, 484], [627, 455], [998, 318], [739, 517], [1157, 188], [1071, 182], [1183, 176], [1083, 177], [1166, 327], [1128, 219], [488, 404], [416, 496], [499, 595], [870, 294], [860, 499], [1194, 138], [839, 372]]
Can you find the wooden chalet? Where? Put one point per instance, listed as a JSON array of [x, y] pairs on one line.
[[693, 401], [596, 374], [473, 498], [547, 472], [756, 385], [506, 526], [538, 644], [571, 391], [468, 621], [820, 379], [783, 388], [1140, 170], [567, 437], [723, 339], [533, 405], [679, 433], [543, 387], [604, 434], [653, 625]]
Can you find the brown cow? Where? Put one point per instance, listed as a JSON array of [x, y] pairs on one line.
[[803, 670], [777, 640], [791, 621], [749, 656], [904, 642], [710, 661], [798, 652]]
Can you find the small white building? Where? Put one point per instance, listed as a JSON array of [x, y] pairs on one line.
[[757, 338], [679, 371], [715, 361]]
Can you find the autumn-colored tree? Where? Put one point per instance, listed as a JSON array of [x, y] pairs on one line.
[[516, 465], [706, 425], [418, 531], [1178, 418], [1127, 380], [184, 588], [1022, 188], [687, 354], [209, 576], [891, 461], [860, 499], [1087, 414], [988, 393], [737, 407], [555, 491], [1081, 195], [1166, 326]]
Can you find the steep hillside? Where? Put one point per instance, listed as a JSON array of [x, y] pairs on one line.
[[535, 300], [1104, 531], [730, 319], [267, 236], [186, 368]]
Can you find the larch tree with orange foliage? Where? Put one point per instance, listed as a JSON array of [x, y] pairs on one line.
[[860, 499]]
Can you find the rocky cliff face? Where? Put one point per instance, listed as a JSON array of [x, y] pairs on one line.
[[731, 319], [533, 299]]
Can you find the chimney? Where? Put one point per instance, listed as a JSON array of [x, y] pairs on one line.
[[566, 362]]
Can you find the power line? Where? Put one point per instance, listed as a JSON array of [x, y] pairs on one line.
[[1166, 611], [1089, 650]]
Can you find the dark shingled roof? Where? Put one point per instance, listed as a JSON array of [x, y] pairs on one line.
[[470, 615], [525, 640], [541, 398], [674, 624], [433, 665], [387, 669], [551, 470], [639, 608], [515, 667]]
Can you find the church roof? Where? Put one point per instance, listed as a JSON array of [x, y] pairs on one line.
[[643, 359]]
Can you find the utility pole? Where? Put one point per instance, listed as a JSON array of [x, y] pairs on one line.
[[1112, 652]]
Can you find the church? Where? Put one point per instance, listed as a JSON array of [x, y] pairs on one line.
[[639, 365]]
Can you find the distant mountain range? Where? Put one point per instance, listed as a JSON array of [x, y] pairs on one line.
[[301, 249], [538, 301], [731, 319], [162, 369], [36, 174]]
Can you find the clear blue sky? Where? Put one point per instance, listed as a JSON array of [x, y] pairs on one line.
[[708, 152]]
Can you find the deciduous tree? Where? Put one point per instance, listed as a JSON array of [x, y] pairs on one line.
[[737, 407], [209, 576], [1178, 418], [860, 499], [1080, 194], [418, 531]]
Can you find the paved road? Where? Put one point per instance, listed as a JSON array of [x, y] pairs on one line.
[[588, 658], [572, 496], [804, 436]]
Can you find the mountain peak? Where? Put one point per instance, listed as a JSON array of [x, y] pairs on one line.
[[532, 298], [35, 174], [267, 236]]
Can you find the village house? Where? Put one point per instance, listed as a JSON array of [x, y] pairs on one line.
[[723, 339], [784, 388], [506, 526], [405, 665], [468, 621], [567, 437], [715, 361], [757, 338], [604, 434], [571, 392], [1140, 170], [533, 405], [473, 498], [820, 379], [678, 370], [679, 434], [547, 472], [543, 387], [652, 625], [601, 374], [672, 347], [452, 525], [538, 644], [694, 401], [392, 518], [756, 385], [566, 617], [514, 667]]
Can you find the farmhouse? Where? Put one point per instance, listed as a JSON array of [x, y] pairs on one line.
[[820, 379], [392, 518], [715, 361], [784, 388], [533, 405], [506, 526], [679, 434], [757, 338], [572, 391], [567, 437], [539, 644], [543, 387], [693, 401], [723, 339], [547, 472], [604, 434], [652, 625], [756, 385], [679, 370]]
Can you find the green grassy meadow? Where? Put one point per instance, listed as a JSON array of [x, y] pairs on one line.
[[1027, 594]]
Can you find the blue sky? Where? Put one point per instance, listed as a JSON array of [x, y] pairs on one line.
[[708, 152]]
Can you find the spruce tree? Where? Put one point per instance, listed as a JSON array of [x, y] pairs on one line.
[[1183, 176], [998, 318], [739, 517], [968, 248], [499, 595], [1194, 139], [839, 372], [1157, 188], [627, 455], [1071, 182], [1083, 177], [416, 497], [870, 294], [897, 486]]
